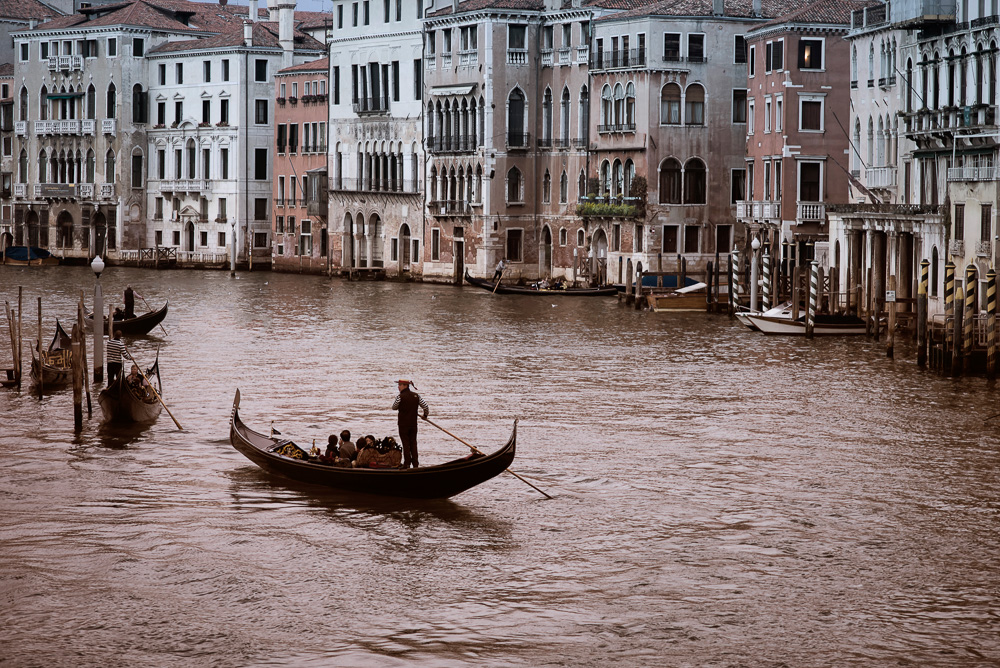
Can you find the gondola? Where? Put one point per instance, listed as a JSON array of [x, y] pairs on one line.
[[427, 482], [56, 364], [29, 256], [607, 291], [140, 325], [122, 401]]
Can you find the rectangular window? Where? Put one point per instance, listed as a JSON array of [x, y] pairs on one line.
[[225, 69], [395, 81], [158, 208], [178, 111], [223, 212], [138, 47], [985, 219], [260, 112], [207, 70], [516, 36], [336, 84], [418, 73], [161, 113], [669, 244], [282, 137], [696, 48], [767, 114], [723, 239], [435, 245], [206, 163], [179, 73], [260, 164], [637, 246], [203, 238], [340, 17], [692, 235], [24, 52], [777, 113], [177, 237], [740, 105], [260, 70], [260, 239], [222, 240], [810, 54], [514, 245], [112, 47], [737, 186], [567, 35], [399, 10], [811, 115], [751, 116], [740, 50], [178, 166], [136, 171], [293, 138], [354, 14], [161, 164], [368, 13], [750, 61], [260, 206], [777, 59], [777, 180], [809, 182], [959, 222], [162, 70], [206, 111], [671, 47], [385, 10], [224, 112]]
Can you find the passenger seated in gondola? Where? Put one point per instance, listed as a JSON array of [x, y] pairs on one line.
[[138, 383], [366, 453], [347, 449], [544, 284], [119, 313], [331, 454]]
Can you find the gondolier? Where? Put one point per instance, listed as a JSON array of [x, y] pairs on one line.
[[407, 403], [129, 302], [115, 350], [501, 267]]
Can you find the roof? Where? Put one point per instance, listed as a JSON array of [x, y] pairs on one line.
[[732, 8], [265, 35], [825, 12], [321, 65], [26, 9]]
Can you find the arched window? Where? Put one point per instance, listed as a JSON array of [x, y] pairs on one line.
[[630, 106], [694, 181], [619, 108], [43, 165], [546, 187], [91, 102], [629, 176], [581, 185], [139, 112], [91, 164], [670, 181], [137, 168], [515, 119], [880, 144], [111, 108], [856, 150], [854, 64], [515, 185], [694, 105], [670, 104], [909, 85], [22, 167], [547, 117], [109, 166], [871, 142], [607, 106], [563, 188], [43, 104], [617, 179], [23, 104], [605, 178], [871, 61], [583, 131], [564, 117], [581, 238]]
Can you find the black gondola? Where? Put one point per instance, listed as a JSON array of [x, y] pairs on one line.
[[123, 401], [428, 482], [56, 364], [607, 291], [140, 325]]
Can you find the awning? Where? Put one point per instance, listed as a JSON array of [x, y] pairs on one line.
[[64, 96], [453, 90]]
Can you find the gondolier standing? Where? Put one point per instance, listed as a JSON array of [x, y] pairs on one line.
[[407, 403], [501, 267], [129, 302], [116, 351]]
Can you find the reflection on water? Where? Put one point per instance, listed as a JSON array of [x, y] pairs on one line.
[[721, 498]]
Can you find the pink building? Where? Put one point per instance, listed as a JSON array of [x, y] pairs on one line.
[[798, 108], [301, 240]]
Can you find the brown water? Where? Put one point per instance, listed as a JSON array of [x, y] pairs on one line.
[[721, 498]]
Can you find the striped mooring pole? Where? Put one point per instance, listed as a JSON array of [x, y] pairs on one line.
[[991, 323], [813, 298], [922, 314], [949, 305], [765, 297], [970, 310], [734, 281]]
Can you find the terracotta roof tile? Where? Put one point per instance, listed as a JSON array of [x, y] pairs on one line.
[[26, 9], [823, 11], [321, 65]]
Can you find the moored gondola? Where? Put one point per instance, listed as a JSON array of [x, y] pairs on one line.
[[56, 364], [427, 482], [140, 325], [606, 291], [131, 401]]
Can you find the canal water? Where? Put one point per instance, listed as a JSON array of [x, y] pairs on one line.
[[721, 498]]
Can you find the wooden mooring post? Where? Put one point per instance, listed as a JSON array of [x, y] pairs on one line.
[[38, 344], [709, 277], [83, 347], [991, 323], [949, 307], [922, 314], [77, 379], [812, 299], [969, 326], [890, 299]]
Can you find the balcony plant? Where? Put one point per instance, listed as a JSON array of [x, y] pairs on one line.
[[602, 210], [293, 100], [281, 101], [222, 124]]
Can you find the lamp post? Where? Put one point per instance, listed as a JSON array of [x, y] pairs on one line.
[[755, 245], [98, 266], [232, 253]]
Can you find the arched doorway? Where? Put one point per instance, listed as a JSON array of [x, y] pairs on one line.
[[188, 236], [31, 222], [65, 226], [6, 241], [362, 240], [375, 234], [545, 253], [100, 234], [347, 241], [404, 250], [599, 257]]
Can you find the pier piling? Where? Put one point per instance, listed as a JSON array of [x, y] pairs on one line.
[[991, 323], [891, 308], [957, 339], [922, 314]]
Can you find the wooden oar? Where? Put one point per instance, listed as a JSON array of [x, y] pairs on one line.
[[151, 310], [494, 292], [152, 389], [475, 449]]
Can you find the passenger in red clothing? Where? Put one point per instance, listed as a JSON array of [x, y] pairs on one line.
[[408, 403]]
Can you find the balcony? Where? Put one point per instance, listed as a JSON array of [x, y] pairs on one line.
[[109, 126], [547, 58], [21, 128], [564, 56], [184, 185], [371, 105], [450, 208], [880, 177], [767, 210], [956, 247], [582, 55], [518, 141], [581, 142], [65, 63], [608, 207], [972, 173], [517, 56], [56, 190], [983, 248], [20, 190], [452, 144], [616, 127], [811, 212], [374, 185], [468, 58], [59, 127], [615, 60]]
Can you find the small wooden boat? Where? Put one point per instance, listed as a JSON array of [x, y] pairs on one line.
[[606, 291], [127, 401], [689, 298], [781, 311], [56, 364], [427, 482], [825, 325], [140, 325], [29, 256]]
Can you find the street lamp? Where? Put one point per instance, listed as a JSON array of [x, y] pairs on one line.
[[755, 245], [98, 266]]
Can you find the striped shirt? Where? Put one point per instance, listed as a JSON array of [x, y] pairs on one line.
[[420, 402], [116, 351]]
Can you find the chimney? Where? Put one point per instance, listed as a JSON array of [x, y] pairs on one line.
[[32, 24], [248, 33], [454, 6], [756, 8], [718, 7], [286, 31], [253, 10]]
